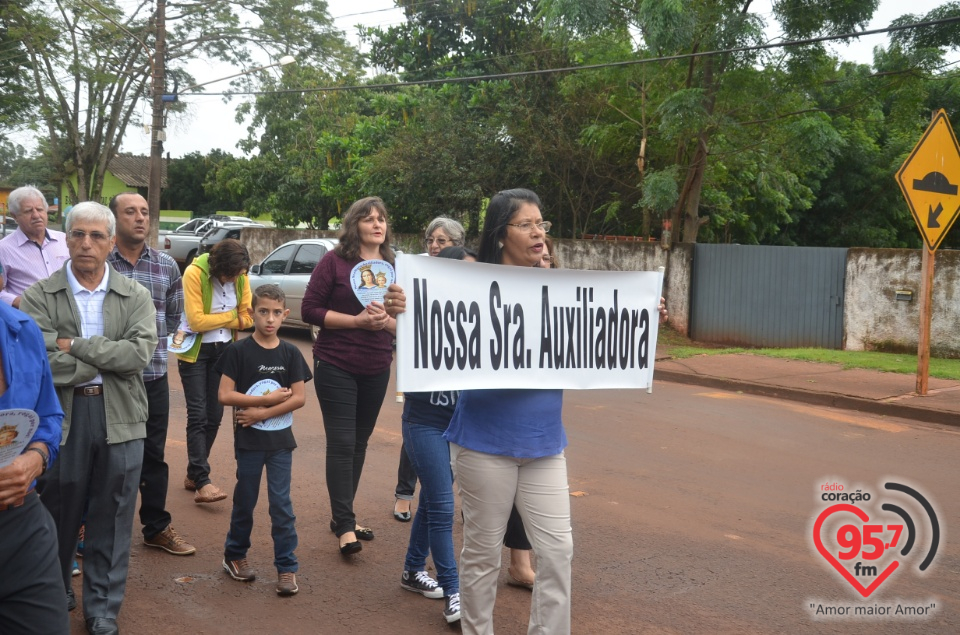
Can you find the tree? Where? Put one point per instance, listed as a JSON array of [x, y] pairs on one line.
[[188, 181], [699, 84], [15, 106], [90, 64]]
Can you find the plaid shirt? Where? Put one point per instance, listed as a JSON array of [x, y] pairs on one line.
[[159, 273]]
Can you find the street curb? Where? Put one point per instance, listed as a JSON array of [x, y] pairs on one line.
[[845, 402]]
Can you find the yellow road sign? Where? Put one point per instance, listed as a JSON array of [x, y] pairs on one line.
[[929, 180]]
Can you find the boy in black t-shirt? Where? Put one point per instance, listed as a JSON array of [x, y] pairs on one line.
[[263, 379]]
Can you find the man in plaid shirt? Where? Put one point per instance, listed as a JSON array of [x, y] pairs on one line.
[[158, 272]]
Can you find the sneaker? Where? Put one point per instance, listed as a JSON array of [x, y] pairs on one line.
[[421, 582], [171, 542], [451, 609], [287, 583], [76, 568], [239, 570]]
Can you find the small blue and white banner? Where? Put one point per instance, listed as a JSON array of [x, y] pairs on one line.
[[474, 325]]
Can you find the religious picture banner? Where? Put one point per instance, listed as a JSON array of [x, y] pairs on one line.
[[474, 325]]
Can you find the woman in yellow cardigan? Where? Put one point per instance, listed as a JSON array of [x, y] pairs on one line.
[[216, 295]]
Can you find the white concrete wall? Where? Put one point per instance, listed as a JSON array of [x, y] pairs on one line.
[[875, 320], [637, 256]]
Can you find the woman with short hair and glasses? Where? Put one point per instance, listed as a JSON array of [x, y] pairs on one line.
[[442, 232], [216, 294], [506, 448]]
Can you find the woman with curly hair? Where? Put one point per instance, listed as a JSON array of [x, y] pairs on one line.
[[352, 357], [216, 294]]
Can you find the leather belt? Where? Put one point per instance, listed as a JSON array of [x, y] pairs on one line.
[[19, 503], [90, 390]]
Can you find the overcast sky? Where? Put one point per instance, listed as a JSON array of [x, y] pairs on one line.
[[209, 122]]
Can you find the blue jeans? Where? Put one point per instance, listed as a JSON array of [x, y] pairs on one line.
[[250, 464], [432, 528]]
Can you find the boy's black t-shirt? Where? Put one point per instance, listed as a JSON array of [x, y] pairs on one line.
[[250, 365]]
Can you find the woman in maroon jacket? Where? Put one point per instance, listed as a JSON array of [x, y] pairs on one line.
[[352, 358]]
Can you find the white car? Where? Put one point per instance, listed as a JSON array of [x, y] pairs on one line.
[[290, 266]]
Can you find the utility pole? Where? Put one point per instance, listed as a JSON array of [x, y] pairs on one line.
[[157, 134]]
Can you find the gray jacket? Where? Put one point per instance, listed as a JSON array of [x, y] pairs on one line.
[[119, 355]]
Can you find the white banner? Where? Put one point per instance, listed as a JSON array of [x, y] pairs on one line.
[[473, 325]]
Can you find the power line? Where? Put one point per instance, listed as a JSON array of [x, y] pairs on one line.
[[394, 8], [572, 69]]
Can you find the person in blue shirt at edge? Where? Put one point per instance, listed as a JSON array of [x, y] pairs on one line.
[[31, 586], [506, 448]]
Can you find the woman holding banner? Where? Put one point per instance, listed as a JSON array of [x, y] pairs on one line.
[[506, 448], [352, 357]]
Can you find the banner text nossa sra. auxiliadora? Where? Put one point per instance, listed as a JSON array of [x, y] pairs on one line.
[[581, 335]]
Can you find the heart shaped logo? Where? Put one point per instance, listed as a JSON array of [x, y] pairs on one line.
[[829, 557], [369, 280]]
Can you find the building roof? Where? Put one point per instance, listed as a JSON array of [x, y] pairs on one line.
[[134, 170]]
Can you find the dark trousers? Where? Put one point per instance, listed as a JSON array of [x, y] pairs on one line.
[[406, 476], [516, 536], [89, 471], [250, 466], [350, 405], [201, 384], [32, 597], [154, 475]]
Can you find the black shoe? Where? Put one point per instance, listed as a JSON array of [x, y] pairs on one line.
[[363, 533], [102, 626], [71, 600], [403, 517], [350, 548]]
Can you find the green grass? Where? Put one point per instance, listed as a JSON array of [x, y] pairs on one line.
[[680, 347]]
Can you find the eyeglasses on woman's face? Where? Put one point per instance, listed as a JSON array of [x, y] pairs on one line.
[[528, 226]]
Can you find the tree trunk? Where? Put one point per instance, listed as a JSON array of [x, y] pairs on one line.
[[691, 216]]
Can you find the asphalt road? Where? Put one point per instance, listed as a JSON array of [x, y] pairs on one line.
[[692, 512]]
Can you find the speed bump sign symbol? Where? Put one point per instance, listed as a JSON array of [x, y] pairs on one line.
[[929, 180]]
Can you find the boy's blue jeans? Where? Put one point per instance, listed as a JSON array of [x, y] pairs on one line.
[[432, 528], [250, 464]]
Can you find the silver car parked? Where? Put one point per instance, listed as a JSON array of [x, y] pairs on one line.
[[290, 266]]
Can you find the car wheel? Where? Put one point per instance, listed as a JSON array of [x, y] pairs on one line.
[[190, 257], [314, 332]]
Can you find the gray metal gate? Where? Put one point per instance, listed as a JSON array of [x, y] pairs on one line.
[[776, 297]]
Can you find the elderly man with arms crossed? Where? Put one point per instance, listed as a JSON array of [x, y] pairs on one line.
[[158, 273], [32, 252], [100, 332], [31, 587]]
